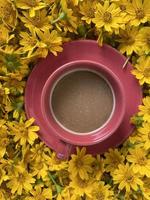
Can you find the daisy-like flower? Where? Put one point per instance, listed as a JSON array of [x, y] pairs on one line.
[[145, 135], [29, 43], [112, 159], [20, 181], [141, 164], [142, 70], [82, 187], [4, 140], [101, 192], [40, 194], [32, 6], [24, 132], [55, 164], [145, 109], [144, 37], [51, 42], [80, 164], [107, 16], [121, 3], [39, 151], [126, 178], [138, 11], [68, 22], [98, 167], [15, 86], [87, 9], [129, 41], [39, 169], [8, 13], [39, 22]]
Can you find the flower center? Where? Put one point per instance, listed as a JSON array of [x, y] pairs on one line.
[[146, 72], [82, 183], [149, 135], [31, 3], [130, 40], [91, 12], [129, 178], [100, 196], [148, 40], [79, 163], [1, 174], [142, 161], [21, 178], [4, 142], [107, 17], [139, 13], [122, 7]]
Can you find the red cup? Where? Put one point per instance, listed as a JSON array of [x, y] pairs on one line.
[[107, 129]]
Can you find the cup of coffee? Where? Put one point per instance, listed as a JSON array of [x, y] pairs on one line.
[[83, 103]]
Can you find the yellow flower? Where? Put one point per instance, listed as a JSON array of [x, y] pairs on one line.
[[126, 178], [142, 70], [32, 6], [15, 86], [138, 12], [39, 22], [107, 16], [51, 40], [80, 164], [129, 41], [24, 132], [39, 151], [144, 37], [4, 140], [101, 192], [112, 159], [87, 9], [98, 168], [29, 43], [82, 187], [3, 176], [8, 13], [67, 22], [67, 194], [121, 3], [20, 181], [40, 194], [145, 109], [40, 169], [141, 164], [55, 164], [145, 135], [63, 176]]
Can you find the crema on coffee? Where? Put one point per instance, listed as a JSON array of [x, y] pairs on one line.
[[82, 101]]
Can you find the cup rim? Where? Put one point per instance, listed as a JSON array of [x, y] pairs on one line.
[[97, 135]]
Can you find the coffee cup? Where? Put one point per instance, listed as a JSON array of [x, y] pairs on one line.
[[83, 103]]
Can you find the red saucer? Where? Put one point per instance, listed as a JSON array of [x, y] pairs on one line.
[[82, 50]]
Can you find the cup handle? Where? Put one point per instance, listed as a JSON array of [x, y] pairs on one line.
[[63, 150]]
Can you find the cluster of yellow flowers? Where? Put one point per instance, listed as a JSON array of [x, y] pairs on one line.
[[30, 29]]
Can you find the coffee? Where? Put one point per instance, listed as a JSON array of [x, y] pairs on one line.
[[82, 101]]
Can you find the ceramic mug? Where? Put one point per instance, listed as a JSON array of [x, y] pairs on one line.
[[70, 138]]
